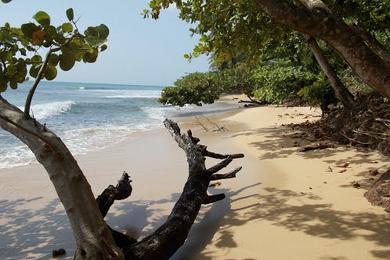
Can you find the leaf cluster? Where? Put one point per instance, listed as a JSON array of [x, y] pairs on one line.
[[21, 48]]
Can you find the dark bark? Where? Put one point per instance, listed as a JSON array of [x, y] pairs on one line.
[[169, 237], [342, 93], [314, 19]]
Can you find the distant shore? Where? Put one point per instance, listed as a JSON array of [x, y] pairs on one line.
[[283, 205]]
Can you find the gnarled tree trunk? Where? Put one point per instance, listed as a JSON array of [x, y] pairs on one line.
[[314, 19]]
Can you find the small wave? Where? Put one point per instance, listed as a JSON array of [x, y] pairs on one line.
[[124, 93], [134, 96], [82, 88], [47, 110]]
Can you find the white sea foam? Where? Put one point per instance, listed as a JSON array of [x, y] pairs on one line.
[[47, 110], [126, 93]]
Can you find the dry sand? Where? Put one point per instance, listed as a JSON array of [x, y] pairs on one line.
[[283, 205]]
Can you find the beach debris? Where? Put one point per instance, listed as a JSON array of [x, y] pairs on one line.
[[319, 146], [343, 170], [330, 169], [325, 182], [374, 172], [344, 165], [310, 188], [356, 185], [57, 253]]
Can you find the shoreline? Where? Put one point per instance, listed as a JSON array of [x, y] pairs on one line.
[[280, 197]]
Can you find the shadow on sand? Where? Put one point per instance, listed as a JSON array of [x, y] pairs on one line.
[[33, 234]]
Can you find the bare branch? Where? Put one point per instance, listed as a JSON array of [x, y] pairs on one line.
[[38, 79], [122, 191], [222, 156], [214, 198], [220, 166], [229, 175]]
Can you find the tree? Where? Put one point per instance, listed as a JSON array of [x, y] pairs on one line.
[[66, 45], [245, 26]]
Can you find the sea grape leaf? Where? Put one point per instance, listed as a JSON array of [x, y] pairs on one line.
[[42, 18]]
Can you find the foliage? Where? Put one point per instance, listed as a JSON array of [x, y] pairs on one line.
[[194, 88], [21, 48], [279, 81]]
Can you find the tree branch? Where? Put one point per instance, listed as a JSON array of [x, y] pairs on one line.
[[229, 175], [38, 79], [222, 156], [122, 191]]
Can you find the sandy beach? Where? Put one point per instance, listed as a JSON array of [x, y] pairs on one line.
[[284, 204]]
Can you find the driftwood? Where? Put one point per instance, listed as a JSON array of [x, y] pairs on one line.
[[169, 237], [165, 241], [94, 239], [316, 147]]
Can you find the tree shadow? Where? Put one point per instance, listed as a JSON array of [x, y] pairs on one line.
[[313, 218], [282, 141], [29, 234]]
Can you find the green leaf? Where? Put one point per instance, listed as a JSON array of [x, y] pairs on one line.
[[13, 84], [34, 71], [36, 58], [70, 14], [3, 85], [42, 18], [51, 72], [90, 56], [103, 31], [23, 51], [66, 62], [103, 47], [53, 59], [67, 27], [28, 29]]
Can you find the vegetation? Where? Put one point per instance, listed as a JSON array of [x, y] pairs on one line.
[[279, 30]]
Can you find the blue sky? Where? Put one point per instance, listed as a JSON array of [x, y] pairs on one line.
[[141, 51]]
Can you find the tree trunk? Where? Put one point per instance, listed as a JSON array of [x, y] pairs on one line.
[[93, 237], [342, 93], [314, 19]]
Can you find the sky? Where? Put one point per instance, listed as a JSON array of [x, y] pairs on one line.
[[141, 51]]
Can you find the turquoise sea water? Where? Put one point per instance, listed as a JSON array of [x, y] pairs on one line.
[[90, 116]]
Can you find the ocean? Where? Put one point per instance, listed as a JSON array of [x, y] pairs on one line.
[[89, 116]]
